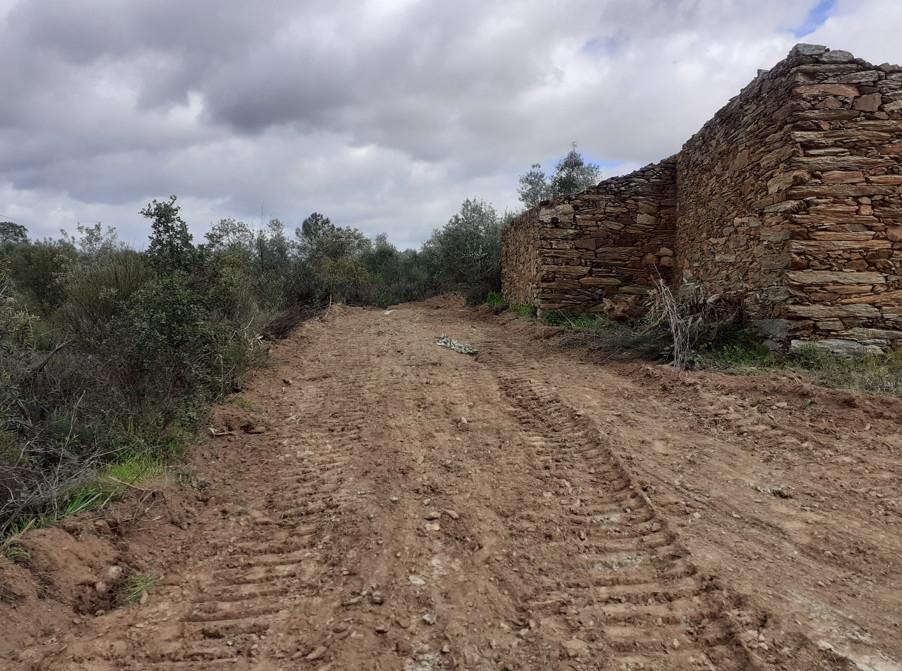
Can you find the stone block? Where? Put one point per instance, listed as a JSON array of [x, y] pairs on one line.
[[867, 103], [820, 312], [837, 346], [807, 50], [561, 212], [804, 277], [600, 281], [836, 56], [821, 246], [843, 90], [873, 334]]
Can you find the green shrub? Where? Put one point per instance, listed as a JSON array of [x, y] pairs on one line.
[[96, 292], [465, 255], [496, 300], [37, 270], [529, 311]]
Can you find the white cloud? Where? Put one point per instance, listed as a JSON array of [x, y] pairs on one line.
[[384, 115]]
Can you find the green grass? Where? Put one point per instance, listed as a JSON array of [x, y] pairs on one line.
[[116, 477], [496, 301], [873, 373], [524, 310], [135, 587], [133, 468]]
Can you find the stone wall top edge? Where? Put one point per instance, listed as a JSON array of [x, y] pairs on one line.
[[666, 163], [800, 54]]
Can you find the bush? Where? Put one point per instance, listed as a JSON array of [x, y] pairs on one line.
[[37, 270], [690, 318], [465, 255], [96, 292], [496, 301]]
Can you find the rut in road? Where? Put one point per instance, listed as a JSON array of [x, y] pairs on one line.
[[245, 616], [610, 567], [248, 589]]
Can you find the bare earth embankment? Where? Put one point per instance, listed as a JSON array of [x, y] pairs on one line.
[[391, 504]]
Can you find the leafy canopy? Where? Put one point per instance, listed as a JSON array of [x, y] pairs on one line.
[[571, 175]]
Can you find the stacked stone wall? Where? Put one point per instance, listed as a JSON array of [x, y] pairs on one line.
[[600, 250], [725, 236], [520, 259], [791, 196], [842, 198]]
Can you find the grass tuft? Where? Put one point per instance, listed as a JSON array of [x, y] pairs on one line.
[[871, 373], [529, 311], [242, 402], [496, 301], [135, 587]]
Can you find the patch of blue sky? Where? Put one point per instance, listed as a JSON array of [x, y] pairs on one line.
[[815, 19], [609, 45]]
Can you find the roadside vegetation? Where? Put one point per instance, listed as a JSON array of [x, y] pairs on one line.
[[691, 331], [110, 356]]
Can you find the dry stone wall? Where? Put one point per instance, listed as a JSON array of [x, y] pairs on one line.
[[520, 265], [725, 240], [841, 196], [599, 250], [790, 196]]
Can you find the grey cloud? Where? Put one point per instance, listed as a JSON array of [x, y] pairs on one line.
[[384, 114]]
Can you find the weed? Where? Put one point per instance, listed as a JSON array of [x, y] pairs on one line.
[[86, 498], [93, 494], [16, 553], [496, 301], [242, 403], [135, 587], [9, 596], [133, 468], [11, 546], [524, 310], [873, 373]]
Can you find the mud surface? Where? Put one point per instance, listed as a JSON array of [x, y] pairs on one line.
[[385, 503]]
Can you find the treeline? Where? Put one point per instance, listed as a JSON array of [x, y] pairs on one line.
[[107, 352]]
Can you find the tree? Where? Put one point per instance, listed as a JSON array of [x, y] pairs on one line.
[[273, 247], [229, 234], [93, 240], [13, 233], [319, 239], [465, 255], [534, 187], [170, 246], [572, 174]]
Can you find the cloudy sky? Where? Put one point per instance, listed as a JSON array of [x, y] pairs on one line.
[[383, 114]]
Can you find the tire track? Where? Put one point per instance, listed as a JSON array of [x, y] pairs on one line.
[[244, 601], [611, 572]]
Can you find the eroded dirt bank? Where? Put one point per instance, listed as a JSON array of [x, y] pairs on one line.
[[409, 507]]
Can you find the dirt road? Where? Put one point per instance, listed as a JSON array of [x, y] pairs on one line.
[[404, 506]]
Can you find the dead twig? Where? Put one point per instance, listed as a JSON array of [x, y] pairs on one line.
[[37, 369]]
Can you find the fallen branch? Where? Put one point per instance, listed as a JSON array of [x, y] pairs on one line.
[[37, 369]]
